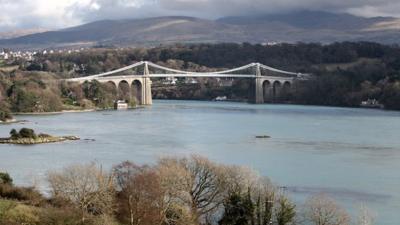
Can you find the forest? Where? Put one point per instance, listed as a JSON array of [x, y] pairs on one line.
[[343, 74]]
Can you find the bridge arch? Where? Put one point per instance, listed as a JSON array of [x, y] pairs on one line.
[[111, 87], [287, 84], [124, 90], [137, 92], [267, 91], [276, 90], [286, 91]]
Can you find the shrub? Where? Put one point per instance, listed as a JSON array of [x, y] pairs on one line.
[[5, 206], [27, 133], [21, 214], [5, 115], [5, 178], [23, 133], [54, 216], [14, 134], [25, 194]]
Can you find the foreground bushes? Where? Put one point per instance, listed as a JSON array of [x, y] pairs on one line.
[[174, 191], [24, 194]]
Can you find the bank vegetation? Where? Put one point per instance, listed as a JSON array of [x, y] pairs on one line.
[[175, 191]]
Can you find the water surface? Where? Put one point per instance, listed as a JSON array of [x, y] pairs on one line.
[[350, 154]]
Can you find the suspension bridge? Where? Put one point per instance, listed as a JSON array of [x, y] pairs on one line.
[[268, 82]]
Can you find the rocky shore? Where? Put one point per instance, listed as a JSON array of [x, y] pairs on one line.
[[38, 140], [8, 121]]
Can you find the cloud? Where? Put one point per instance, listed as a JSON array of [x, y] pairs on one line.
[[53, 14], [245, 7]]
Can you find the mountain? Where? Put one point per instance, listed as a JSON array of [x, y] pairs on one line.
[[19, 33], [302, 26]]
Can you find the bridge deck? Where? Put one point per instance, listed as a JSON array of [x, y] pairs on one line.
[[196, 75], [257, 67]]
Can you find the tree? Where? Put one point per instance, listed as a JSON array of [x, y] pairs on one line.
[[140, 195], [285, 211], [238, 210], [365, 216], [322, 210], [5, 113], [87, 187], [262, 193], [14, 134], [5, 178], [26, 133], [194, 182]]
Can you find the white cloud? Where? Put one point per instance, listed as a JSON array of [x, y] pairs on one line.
[[53, 14]]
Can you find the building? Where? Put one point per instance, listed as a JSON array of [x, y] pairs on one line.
[[120, 105]]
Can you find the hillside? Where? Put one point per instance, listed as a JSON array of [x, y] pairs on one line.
[[304, 26], [20, 33]]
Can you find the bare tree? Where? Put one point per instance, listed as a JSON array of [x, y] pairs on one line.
[[195, 182], [365, 216], [88, 187], [322, 210], [245, 181], [239, 179], [140, 197]]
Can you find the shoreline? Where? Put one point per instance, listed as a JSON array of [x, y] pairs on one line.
[[54, 113], [39, 140], [200, 100], [12, 121], [281, 103], [68, 111]]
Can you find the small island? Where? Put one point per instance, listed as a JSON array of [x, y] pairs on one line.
[[28, 136]]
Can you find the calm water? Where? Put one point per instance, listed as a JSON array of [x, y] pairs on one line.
[[351, 154]]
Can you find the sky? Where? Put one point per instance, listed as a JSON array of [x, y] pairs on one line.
[[56, 14]]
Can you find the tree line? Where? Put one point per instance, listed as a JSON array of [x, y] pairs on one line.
[[175, 191], [344, 74]]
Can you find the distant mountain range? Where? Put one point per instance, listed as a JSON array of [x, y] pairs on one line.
[[303, 26], [19, 33]]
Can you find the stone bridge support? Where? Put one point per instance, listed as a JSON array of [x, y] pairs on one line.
[[144, 96], [259, 91], [147, 96], [271, 89]]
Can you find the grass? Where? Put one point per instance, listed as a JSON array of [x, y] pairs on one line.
[[8, 68]]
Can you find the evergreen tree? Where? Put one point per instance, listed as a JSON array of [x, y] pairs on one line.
[[238, 211]]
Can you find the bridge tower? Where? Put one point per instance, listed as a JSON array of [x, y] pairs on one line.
[[147, 98], [259, 92]]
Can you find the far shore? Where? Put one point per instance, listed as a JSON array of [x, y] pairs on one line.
[[55, 113], [64, 111]]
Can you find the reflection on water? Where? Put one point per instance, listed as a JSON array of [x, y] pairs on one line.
[[342, 193], [350, 154]]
